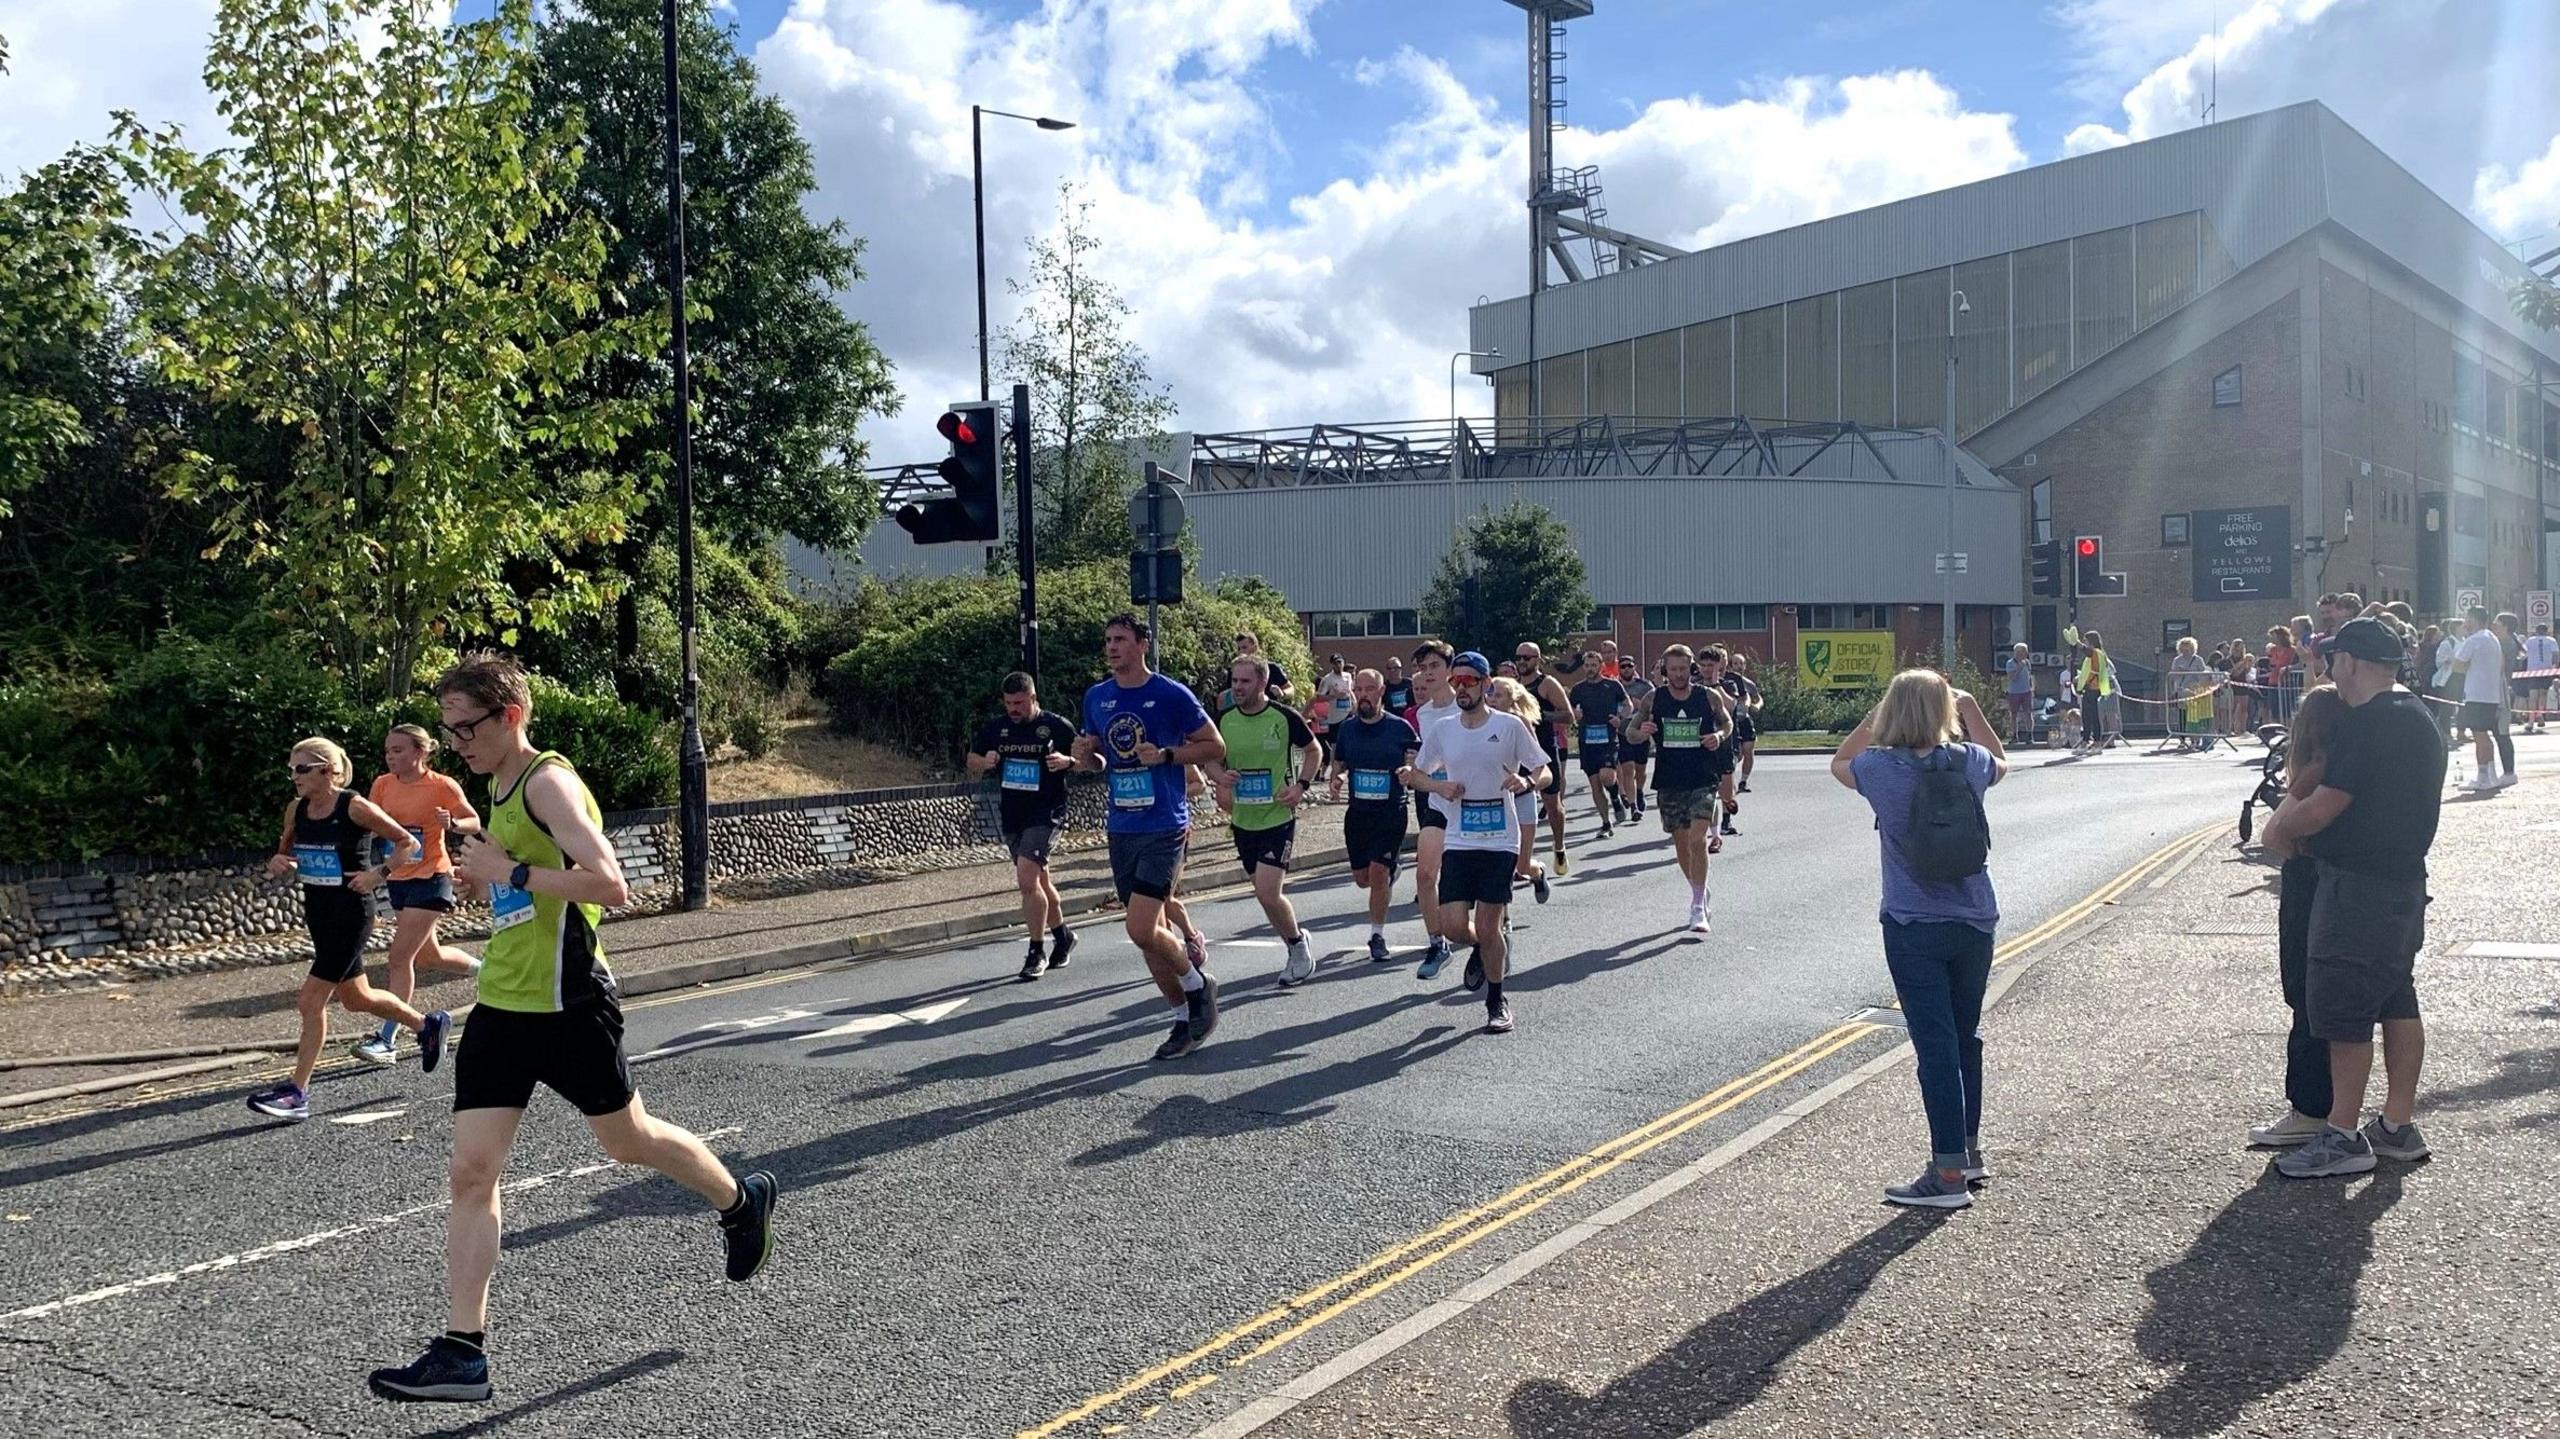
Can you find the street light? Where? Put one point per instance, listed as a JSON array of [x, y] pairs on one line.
[[693, 766], [1457, 446], [1957, 304], [978, 202]]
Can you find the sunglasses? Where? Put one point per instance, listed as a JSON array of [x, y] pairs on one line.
[[313, 767], [1465, 682]]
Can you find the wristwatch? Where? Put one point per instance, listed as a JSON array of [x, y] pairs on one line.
[[520, 876]]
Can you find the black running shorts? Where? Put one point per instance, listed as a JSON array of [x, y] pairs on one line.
[[577, 1052], [1273, 846], [1374, 835], [1477, 876]]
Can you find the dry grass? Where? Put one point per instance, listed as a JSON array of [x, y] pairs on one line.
[[808, 757]]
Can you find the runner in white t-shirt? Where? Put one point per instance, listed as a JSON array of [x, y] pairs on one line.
[[1431, 706], [1486, 758]]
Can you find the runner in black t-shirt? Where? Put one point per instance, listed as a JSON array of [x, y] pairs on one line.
[[1027, 750], [1746, 718], [1597, 703], [1372, 746], [1397, 699], [1713, 674], [1554, 712]]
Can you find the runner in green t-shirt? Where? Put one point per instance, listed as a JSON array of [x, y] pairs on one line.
[[1271, 752]]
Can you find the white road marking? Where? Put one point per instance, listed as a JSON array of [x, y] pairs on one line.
[[1244, 944], [370, 1116], [307, 1241], [874, 1023], [2509, 949], [720, 1031]]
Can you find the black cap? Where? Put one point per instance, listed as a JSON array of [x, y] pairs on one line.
[[2367, 640]]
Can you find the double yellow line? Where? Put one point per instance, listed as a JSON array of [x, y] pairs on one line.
[[1196, 1369]]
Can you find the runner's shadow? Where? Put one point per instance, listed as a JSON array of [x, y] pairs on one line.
[[2263, 1298], [1727, 1363], [1294, 1099], [2522, 1073], [1534, 974], [83, 1163], [627, 1370]]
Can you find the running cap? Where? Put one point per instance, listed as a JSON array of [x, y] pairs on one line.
[[1470, 660], [2366, 639]]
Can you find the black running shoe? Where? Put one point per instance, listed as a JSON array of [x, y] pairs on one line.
[[1204, 1009], [452, 1371], [1538, 885], [1062, 942], [1729, 829], [749, 1229], [1743, 788], [1178, 1043], [1473, 978], [1605, 832], [431, 1035], [1034, 965], [1378, 951]]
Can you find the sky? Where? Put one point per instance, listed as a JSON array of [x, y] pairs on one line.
[[1300, 198]]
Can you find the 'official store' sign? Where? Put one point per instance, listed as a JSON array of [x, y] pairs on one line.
[[2243, 554]]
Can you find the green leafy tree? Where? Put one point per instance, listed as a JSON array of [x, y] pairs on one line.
[[1513, 575], [388, 269], [2538, 302], [782, 376], [1091, 395], [62, 235]]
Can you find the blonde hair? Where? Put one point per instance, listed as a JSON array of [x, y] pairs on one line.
[[1918, 712], [418, 736], [2186, 644], [1511, 697], [341, 768]]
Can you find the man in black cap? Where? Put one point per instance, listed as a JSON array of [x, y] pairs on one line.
[[2369, 823]]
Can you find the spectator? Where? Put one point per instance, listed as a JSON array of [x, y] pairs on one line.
[[1937, 933], [2021, 693], [1332, 707], [2369, 823], [2430, 642], [2281, 674], [2104, 723], [2541, 655], [2335, 610], [2482, 664], [2306, 1055], [2448, 708], [2192, 689], [2511, 647]]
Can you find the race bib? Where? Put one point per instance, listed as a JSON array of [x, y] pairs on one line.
[[1341, 708], [1253, 786], [1372, 784], [318, 864], [1022, 774], [1484, 816], [508, 906], [1681, 733], [1595, 734], [1133, 789]]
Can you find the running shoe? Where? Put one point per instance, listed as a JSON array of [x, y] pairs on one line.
[[1034, 964], [2294, 1128], [1715, 843], [1728, 828], [1497, 1017], [373, 1049], [1473, 976], [1433, 958], [389, 1034], [1977, 1170], [1931, 1191], [1563, 865], [1062, 942], [1742, 787], [1300, 966], [282, 1101], [2403, 1144], [1178, 1043], [1204, 1009], [1697, 916], [1605, 831], [2331, 1151], [748, 1229], [1378, 951], [431, 1041], [452, 1371], [1538, 885]]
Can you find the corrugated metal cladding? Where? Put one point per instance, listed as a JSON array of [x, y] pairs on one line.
[[2260, 181], [1645, 541]]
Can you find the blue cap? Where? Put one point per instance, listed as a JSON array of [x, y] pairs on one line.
[[1470, 660]]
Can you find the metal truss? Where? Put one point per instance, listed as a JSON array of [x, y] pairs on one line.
[[1515, 449]]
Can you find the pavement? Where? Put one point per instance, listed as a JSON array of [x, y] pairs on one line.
[[999, 1217]]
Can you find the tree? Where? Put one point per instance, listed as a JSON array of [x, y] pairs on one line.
[[782, 376], [1513, 575], [1091, 395], [62, 232], [2538, 302], [387, 271]]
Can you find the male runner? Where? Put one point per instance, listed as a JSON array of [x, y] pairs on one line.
[[1609, 666], [1271, 752], [1633, 753], [1483, 756], [1598, 701], [1746, 717], [1398, 697], [1553, 708], [1432, 706], [1371, 747], [1689, 726], [548, 1014], [1144, 730], [1332, 707], [1031, 747], [1249, 645], [1712, 674]]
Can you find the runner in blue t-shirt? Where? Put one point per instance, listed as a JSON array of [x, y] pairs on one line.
[[1143, 731]]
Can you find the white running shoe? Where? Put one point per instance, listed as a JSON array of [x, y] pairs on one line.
[[2504, 780], [1698, 916], [1300, 966]]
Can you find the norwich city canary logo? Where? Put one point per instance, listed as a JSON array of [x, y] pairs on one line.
[[1817, 658]]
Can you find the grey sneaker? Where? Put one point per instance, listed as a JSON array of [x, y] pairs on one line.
[[2404, 1144], [1300, 966], [2331, 1151], [1931, 1191], [2295, 1128], [1432, 959], [1977, 1170], [373, 1049]]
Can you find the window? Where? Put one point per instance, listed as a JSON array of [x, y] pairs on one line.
[[2355, 384], [1866, 353], [2173, 531], [2164, 252], [1600, 621], [1813, 358], [2041, 280], [1706, 375], [1364, 624], [1613, 379], [1560, 393], [2042, 498], [1672, 619], [1920, 348], [1982, 342], [1658, 375], [1759, 363], [1844, 617], [2226, 388], [2101, 293]]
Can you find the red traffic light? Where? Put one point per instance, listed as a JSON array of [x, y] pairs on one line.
[[955, 428], [2088, 546]]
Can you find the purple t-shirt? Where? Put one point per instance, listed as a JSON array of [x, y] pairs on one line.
[[1887, 777]]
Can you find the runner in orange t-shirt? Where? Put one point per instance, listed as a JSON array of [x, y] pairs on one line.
[[426, 804]]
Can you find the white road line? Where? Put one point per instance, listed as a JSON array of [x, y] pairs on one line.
[[307, 1241], [370, 1116], [874, 1023]]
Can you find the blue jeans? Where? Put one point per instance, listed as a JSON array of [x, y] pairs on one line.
[[1940, 969]]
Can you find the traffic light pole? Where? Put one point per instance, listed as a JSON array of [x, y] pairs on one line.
[[1024, 547], [693, 766]]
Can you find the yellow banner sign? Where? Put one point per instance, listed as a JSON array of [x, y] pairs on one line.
[[1844, 659]]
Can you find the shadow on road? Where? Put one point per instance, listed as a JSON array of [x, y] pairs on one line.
[[83, 1163], [1727, 1363], [2261, 1300], [623, 1372]]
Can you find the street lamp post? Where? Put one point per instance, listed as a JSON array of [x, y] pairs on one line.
[[978, 203], [1457, 435], [693, 766], [1025, 556], [1957, 304]]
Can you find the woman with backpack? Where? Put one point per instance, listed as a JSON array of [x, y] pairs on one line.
[[1922, 760]]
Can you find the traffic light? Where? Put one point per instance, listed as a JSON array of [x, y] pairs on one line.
[[2089, 577], [975, 475], [1155, 577], [2044, 569]]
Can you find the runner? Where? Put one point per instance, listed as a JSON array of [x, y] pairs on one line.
[[1397, 699], [1482, 755], [1270, 752], [549, 1013], [1689, 726], [1609, 666], [1332, 707], [1249, 645], [1633, 753], [1030, 746], [1144, 729], [322, 845], [1598, 702], [1712, 674], [1508, 696], [1372, 746], [1433, 706], [426, 804], [1554, 708], [1746, 716]]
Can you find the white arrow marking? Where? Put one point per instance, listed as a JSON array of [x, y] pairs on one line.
[[874, 1023], [372, 1116], [932, 1012]]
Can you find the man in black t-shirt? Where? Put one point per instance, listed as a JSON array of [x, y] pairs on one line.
[[2369, 823], [1373, 745], [1028, 750], [1398, 697], [1597, 702]]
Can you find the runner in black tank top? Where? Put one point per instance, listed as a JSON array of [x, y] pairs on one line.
[[1555, 711]]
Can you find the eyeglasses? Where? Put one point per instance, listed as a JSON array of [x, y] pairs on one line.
[[462, 730], [1465, 682], [300, 770]]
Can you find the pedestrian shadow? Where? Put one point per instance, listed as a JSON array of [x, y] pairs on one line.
[[2521, 1074], [621, 1373], [1730, 1361], [2262, 1299], [1295, 1099], [83, 1163]]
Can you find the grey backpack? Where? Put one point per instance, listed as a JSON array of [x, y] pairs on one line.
[[1945, 837]]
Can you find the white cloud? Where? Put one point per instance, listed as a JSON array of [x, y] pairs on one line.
[[72, 61], [2524, 201]]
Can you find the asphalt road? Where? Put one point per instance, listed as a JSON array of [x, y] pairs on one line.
[[998, 1216]]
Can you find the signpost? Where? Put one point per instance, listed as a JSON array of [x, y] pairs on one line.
[[2242, 554], [1155, 571], [2466, 600], [2537, 607]]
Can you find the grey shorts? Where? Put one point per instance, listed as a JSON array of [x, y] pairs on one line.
[[1030, 842], [2365, 937], [2482, 715], [1681, 808], [1148, 862]]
